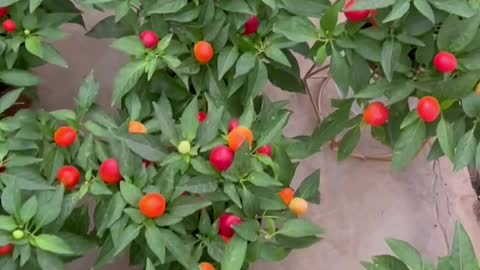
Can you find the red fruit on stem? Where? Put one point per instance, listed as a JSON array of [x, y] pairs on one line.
[[69, 176], [152, 205], [233, 124], [221, 158], [357, 15], [445, 62], [376, 114], [428, 109], [3, 12], [149, 39], [147, 163], [251, 26], [3, 169], [6, 250], [110, 172], [202, 117], [9, 26], [226, 224], [65, 137], [265, 150]]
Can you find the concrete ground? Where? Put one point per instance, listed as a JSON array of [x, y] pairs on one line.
[[363, 201]]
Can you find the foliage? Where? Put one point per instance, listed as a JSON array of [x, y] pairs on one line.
[[462, 256], [37, 23]]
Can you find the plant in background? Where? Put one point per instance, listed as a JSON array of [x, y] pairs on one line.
[[27, 27], [462, 256]]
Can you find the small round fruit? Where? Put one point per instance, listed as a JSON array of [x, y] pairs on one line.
[[376, 114], [445, 62], [6, 250], [153, 205], [287, 195], [147, 163], [206, 266], [203, 52], [9, 26], [3, 169], [136, 127], [69, 176], [149, 39], [265, 150], [226, 224], [221, 158], [18, 234], [3, 12], [298, 206], [237, 137], [65, 137], [110, 172], [357, 15], [184, 147], [233, 125], [26, 32], [477, 89], [251, 26], [202, 117], [428, 109]]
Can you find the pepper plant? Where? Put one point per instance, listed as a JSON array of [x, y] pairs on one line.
[[176, 193], [27, 28]]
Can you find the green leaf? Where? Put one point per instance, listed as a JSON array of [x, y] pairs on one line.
[[9, 99], [50, 206], [424, 7], [108, 28], [460, 8], [349, 142], [262, 179], [277, 55], [446, 138], [11, 199], [399, 9], [234, 255], [131, 45], [462, 255], [52, 243], [21, 161], [166, 6], [163, 115], [239, 6], [340, 71], [49, 261], [309, 188], [186, 205], [7, 223], [408, 144], [307, 8], [372, 4], [330, 18], [16, 77], [245, 63], [232, 193], [189, 121], [199, 184], [248, 230], [300, 228], [467, 35], [29, 209], [130, 193], [155, 242], [226, 60], [269, 135], [390, 54], [34, 4], [321, 55], [299, 29], [113, 212], [408, 254], [126, 237], [126, 79], [471, 105], [257, 80], [178, 249], [465, 151]]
